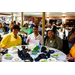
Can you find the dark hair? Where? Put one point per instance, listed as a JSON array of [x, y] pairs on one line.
[[4, 23], [15, 27], [73, 30], [35, 26], [47, 38], [48, 31]]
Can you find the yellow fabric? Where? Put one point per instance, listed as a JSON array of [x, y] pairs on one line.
[[72, 51], [10, 41]]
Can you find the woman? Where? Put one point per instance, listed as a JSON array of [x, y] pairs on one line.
[[10, 27], [11, 39], [35, 36], [61, 32], [1, 29], [71, 38], [71, 55], [53, 40], [19, 25]]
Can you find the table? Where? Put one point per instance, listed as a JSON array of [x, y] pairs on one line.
[[61, 58]]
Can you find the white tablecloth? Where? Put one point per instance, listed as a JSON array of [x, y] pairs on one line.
[[61, 57]]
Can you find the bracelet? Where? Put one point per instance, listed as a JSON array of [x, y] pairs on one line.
[[71, 60]]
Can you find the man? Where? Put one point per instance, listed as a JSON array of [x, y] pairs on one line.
[[31, 29], [5, 27], [4, 20], [35, 36], [11, 39], [25, 29], [50, 27]]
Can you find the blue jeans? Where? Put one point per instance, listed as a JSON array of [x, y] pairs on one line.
[[70, 45]]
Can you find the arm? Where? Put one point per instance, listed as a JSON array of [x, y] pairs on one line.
[[21, 31], [41, 40], [28, 39], [4, 42], [63, 30], [59, 43]]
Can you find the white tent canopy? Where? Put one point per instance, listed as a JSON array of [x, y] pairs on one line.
[[39, 14]]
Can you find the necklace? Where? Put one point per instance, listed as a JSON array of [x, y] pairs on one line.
[[50, 41]]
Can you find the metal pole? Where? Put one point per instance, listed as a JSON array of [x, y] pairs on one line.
[[43, 25], [22, 19], [12, 17]]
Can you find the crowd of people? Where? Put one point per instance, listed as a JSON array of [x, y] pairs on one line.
[[52, 37]]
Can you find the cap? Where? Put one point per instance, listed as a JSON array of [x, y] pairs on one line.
[[32, 25]]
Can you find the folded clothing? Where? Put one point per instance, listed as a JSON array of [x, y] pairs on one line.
[[24, 55], [43, 49], [43, 56]]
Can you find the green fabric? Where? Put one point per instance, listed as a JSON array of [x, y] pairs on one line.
[[56, 43], [24, 29], [30, 31]]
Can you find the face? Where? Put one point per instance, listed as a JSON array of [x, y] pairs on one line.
[[50, 34], [61, 26], [49, 24], [26, 25], [35, 30], [15, 31], [4, 24]]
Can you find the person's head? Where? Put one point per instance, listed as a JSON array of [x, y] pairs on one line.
[[26, 25], [50, 34], [15, 29], [0, 25], [41, 25], [18, 24], [61, 26], [4, 18], [14, 22], [35, 29], [4, 24], [50, 24]]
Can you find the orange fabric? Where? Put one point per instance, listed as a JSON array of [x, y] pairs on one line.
[[72, 51]]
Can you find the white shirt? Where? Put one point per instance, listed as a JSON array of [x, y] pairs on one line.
[[49, 28], [1, 30], [32, 37]]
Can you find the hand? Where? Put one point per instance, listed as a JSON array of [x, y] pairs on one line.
[[5, 47], [24, 33], [68, 57], [27, 41]]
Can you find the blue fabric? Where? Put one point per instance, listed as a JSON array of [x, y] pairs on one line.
[[9, 31], [24, 40], [1, 30], [70, 45]]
